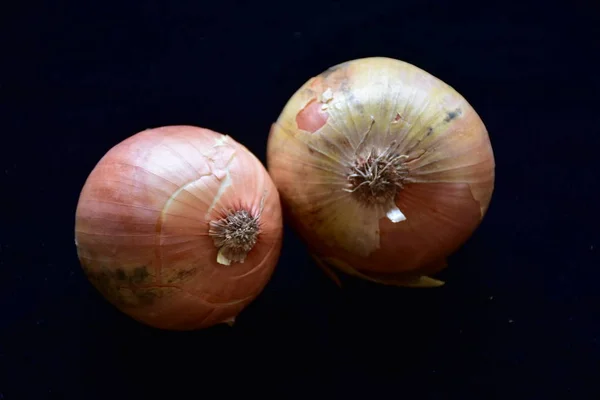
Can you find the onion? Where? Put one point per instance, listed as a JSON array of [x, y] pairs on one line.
[[383, 169], [179, 227]]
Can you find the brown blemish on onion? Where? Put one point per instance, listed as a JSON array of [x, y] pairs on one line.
[[182, 275], [452, 115], [125, 287], [186, 273], [311, 118]]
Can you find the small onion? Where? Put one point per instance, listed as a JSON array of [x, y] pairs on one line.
[[383, 169], [179, 227]]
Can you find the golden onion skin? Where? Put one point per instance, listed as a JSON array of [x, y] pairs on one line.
[[323, 146]]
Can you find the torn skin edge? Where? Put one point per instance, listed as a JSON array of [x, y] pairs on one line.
[[221, 141], [312, 117], [229, 321], [420, 282]]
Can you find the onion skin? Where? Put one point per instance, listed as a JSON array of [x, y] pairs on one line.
[[336, 124], [143, 220]]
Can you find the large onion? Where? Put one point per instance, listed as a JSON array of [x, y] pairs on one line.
[[179, 227], [384, 169]]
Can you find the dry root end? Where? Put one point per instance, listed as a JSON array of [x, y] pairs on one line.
[[234, 235], [376, 178]]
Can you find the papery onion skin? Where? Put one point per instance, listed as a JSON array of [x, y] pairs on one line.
[[143, 226], [341, 129]]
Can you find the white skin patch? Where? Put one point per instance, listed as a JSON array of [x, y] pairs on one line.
[[395, 215]]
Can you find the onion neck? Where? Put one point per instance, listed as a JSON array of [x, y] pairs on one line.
[[234, 236]]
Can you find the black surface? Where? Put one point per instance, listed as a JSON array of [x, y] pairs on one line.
[[520, 314]]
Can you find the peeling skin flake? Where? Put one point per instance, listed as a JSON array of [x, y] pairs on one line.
[[395, 215], [220, 141], [221, 259], [327, 96]]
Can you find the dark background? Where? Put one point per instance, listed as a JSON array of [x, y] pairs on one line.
[[519, 317]]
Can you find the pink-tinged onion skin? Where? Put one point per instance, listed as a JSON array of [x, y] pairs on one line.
[[338, 123], [143, 227]]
